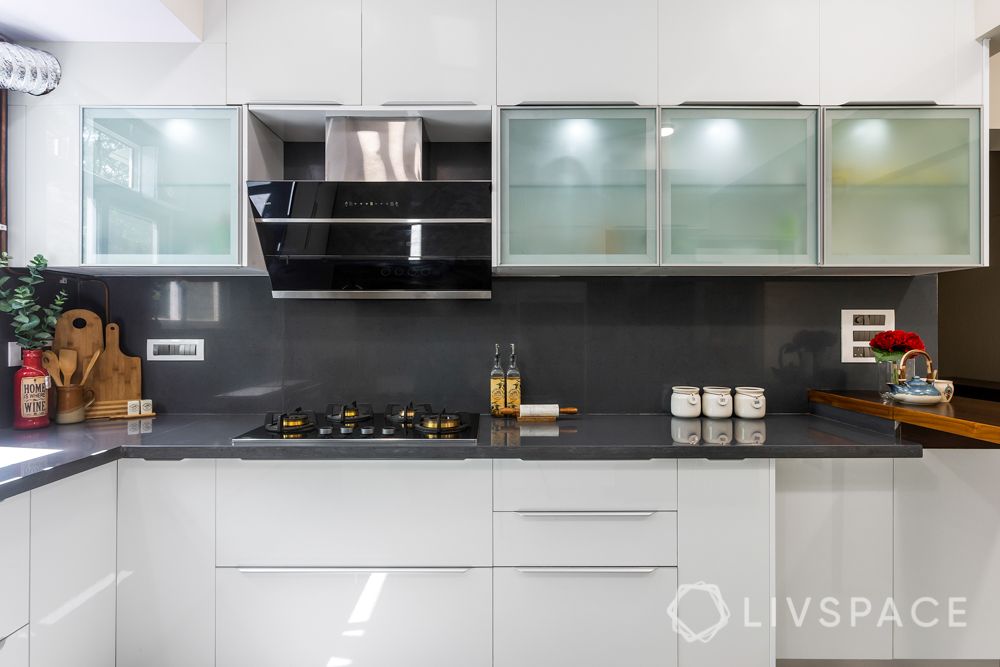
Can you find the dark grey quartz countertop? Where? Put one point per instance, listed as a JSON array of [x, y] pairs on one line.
[[29, 459]]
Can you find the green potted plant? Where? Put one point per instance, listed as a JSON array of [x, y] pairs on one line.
[[33, 326]]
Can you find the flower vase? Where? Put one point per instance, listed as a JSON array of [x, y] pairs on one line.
[[886, 371]]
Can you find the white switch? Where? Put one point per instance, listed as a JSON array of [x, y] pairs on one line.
[[857, 327], [175, 349], [13, 354]]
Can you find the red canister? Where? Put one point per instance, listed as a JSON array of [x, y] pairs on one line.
[[31, 392]]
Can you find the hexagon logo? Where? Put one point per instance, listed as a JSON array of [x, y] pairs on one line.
[[715, 595]]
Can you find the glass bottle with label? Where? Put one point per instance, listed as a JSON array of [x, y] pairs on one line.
[[498, 385], [31, 392], [513, 381]]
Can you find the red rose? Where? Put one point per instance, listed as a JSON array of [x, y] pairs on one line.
[[896, 340]]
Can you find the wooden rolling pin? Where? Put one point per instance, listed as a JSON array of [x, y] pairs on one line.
[[545, 412]]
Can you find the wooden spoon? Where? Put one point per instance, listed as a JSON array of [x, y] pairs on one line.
[[67, 364], [90, 366], [51, 363]]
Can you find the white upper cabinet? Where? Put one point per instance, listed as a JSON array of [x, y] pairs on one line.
[[739, 51], [430, 52], [586, 51], [898, 51], [293, 51]]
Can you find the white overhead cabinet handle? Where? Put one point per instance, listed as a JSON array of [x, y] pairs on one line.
[[571, 514], [427, 103], [291, 570], [585, 570]]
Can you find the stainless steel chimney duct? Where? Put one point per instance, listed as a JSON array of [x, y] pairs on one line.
[[27, 70], [374, 149]]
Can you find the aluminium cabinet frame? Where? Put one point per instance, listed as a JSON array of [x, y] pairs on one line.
[[499, 268], [905, 269], [240, 231], [820, 267]]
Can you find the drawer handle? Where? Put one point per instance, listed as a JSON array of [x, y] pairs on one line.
[[280, 570], [558, 514], [585, 570]]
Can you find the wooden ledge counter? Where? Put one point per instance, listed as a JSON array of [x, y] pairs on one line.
[[976, 422]]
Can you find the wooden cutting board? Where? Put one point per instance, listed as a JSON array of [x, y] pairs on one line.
[[116, 377], [86, 339]]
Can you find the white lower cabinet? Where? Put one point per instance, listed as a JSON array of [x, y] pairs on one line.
[[584, 538], [316, 617], [73, 536], [833, 543], [584, 485], [725, 568], [166, 563], [354, 513], [14, 535], [583, 616], [947, 555], [14, 649]]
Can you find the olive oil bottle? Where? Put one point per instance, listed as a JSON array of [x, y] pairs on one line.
[[513, 381], [498, 385]]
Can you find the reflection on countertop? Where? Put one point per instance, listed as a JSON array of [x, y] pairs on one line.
[[29, 459]]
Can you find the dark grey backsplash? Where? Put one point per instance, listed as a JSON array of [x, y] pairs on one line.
[[602, 344]]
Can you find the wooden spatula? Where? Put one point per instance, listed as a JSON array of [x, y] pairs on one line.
[[51, 363], [90, 367], [67, 364]]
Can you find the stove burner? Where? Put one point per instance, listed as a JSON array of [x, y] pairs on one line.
[[296, 422], [405, 414], [440, 423], [349, 413]]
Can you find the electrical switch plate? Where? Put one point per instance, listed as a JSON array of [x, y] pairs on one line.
[[857, 327], [13, 354], [175, 349]]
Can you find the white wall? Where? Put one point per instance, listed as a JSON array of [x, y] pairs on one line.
[[987, 17], [994, 101], [44, 187]]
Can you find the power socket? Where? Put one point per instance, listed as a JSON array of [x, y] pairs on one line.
[[857, 327], [13, 354]]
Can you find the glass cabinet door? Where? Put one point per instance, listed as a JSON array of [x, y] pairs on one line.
[[902, 187], [578, 187], [739, 186], [160, 186]]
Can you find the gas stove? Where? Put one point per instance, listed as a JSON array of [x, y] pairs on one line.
[[359, 424]]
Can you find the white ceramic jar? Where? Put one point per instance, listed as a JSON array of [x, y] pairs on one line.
[[717, 403], [685, 402], [750, 403]]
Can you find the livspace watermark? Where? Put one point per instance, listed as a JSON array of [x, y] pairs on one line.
[[827, 612]]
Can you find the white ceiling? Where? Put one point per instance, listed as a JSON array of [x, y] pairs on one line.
[[101, 20]]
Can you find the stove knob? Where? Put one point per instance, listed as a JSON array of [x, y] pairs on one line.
[[346, 430], [367, 430], [325, 430], [388, 430]]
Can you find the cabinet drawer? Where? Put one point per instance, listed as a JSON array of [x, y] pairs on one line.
[[15, 514], [583, 617], [584, 485], [354, 513], [371, 618], [14, 649], [585, 538]]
